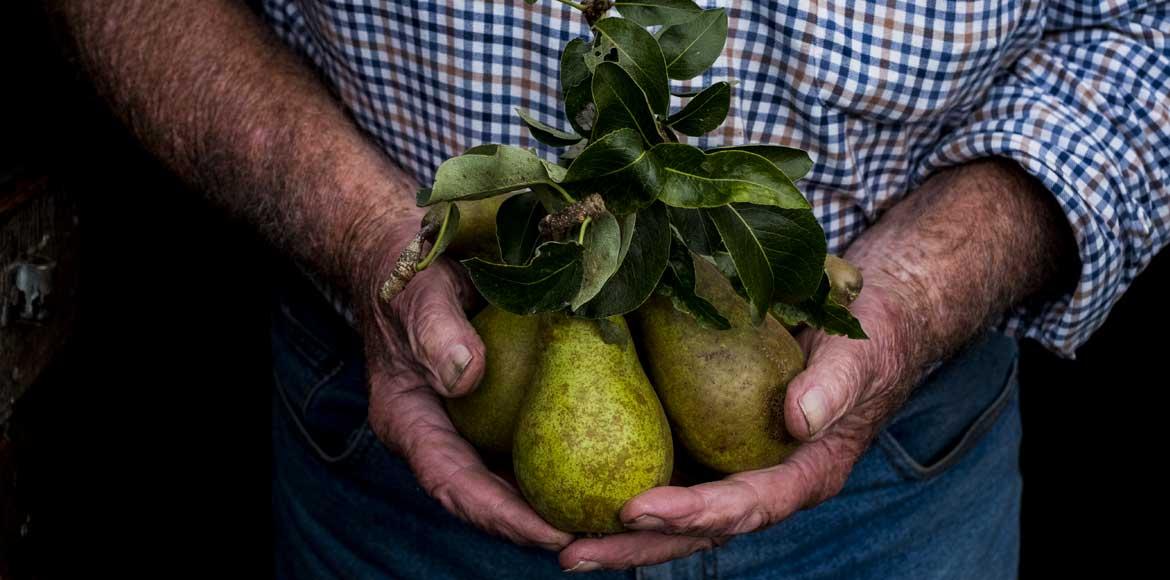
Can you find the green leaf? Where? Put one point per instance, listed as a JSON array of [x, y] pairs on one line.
[[621, 104], [638, 54], [602, 241], [693, 46], [685, 93], [794, 244], [544, 284], [678, 282], [705, 112], [749, 257], [445, 216], [820, 311], [619, 168], [793, 162], [698, 179], [481, 174], [574, 70], [517, 227], [657, 12], [627, 223], [577, 86], [696, 230], [641, 269], [546, 134]]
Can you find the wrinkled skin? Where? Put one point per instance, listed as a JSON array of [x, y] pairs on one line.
[[420, 348]]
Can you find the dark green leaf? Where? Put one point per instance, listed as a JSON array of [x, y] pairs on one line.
[[793, 162], [579, 107], [641, 269], [444, 216], [678, 282], [705, 112], [545, 284], [478, 175], [546, 134], [697, 179], [621, 104], [749, 256], [657, 12], [820, 311], [619, 168], [693, 46], [574, 70], [517, 227], [794, 244], [696, 230], [638, 54], [482, 149], [602, 241], [627, 223], [577, 86], [685, 93]]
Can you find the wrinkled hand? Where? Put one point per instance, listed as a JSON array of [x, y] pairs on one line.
[[418, 348], [836, 406]]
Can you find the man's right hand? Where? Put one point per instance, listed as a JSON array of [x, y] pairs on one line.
[[421, 347]]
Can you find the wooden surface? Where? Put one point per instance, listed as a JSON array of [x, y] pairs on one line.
[[38, 234]]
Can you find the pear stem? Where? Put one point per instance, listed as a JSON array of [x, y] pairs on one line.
[[407, 263], [557, 226], [584, 226], [573, 4]]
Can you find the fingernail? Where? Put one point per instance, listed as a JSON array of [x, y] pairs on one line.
[[646, 522], [815, 408], [584, 566], [459, 357]]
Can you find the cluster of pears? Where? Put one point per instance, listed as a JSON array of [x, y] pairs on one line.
[[587, 408]]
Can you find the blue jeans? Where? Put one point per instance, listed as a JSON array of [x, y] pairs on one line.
[[936, 496]]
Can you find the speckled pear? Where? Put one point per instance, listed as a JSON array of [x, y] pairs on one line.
[[592, 433], [722, 389], [487, 417]]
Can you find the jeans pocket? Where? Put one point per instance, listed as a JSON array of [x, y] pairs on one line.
[[953, 408], [319, 375]]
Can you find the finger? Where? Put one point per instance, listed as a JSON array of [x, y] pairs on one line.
[[831, 384], [840, 372], [749, 501], [630, 549], [411, 420], [442, 340]]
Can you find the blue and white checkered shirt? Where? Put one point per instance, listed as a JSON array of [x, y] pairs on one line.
[[881, 93]]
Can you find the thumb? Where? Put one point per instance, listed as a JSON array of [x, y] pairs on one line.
[[830, 386], [435, 325]]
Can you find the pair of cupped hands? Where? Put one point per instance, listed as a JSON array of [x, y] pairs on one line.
[[421, 348]]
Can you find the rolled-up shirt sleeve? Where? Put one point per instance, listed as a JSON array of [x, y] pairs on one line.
[[1086, 110]]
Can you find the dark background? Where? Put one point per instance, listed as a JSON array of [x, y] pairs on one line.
[[145, 450]]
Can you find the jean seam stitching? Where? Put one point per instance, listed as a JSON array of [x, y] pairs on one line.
[[321, 453], [912, 468]]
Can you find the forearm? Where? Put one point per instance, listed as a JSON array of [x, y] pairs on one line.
[[208, 90], [959, 251]]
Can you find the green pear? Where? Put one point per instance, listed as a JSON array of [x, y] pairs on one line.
[[476, 237], [844, 280], [487, 416], [592, 433], [723, 389]]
